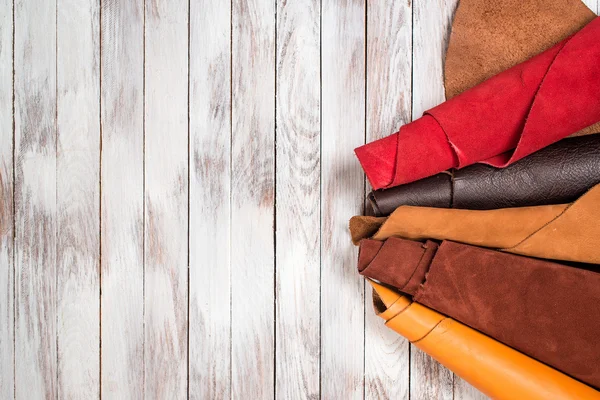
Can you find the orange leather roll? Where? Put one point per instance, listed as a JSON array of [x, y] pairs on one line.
[[492, 367]]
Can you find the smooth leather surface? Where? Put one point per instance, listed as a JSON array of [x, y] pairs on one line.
[[546, 310], [495, 369], [500, 121], [568, 232], [435, 191], [558, 174]]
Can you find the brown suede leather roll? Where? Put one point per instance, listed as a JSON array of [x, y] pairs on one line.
[[489, 37], [543, 309], [569, 232], [558, 174]]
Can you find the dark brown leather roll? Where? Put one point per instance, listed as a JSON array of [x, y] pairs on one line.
[[546, 310], [557, 174]]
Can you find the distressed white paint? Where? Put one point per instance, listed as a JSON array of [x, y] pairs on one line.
[[210, 130], [35, 199], [298, 200], [389, 72], [166, 199], [252, 199], [593, 5], [78, 198], [122, 224], [6, 204], [342, 182]]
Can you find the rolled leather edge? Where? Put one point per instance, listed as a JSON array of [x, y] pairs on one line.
[[435, 191], [557, 174], [381, 260], [490, 366]]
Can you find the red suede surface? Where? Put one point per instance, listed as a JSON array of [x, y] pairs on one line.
[[500, 121]]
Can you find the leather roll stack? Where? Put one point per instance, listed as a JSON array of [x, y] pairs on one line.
[[543, 309], [558, 174]]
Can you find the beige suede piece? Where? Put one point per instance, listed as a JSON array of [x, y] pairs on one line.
[[569, 232], [489, 37]]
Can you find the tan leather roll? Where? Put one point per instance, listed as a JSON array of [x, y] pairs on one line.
[[489, 37], [495, 369], [569, 232]]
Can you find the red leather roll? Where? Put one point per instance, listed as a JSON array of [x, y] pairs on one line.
[[500, 121]]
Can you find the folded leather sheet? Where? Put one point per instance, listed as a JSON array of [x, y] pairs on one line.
[[500, 121], [489, 37], [495, 369], [543, 309], [568, 232], [558, 174]]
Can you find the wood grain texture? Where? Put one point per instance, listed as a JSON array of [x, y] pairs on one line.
[[593, 5], [465, 391], [35, 199], [122, 197], [210, 181], [252, 199], [389, 93], [7, 340], [166, 198], [298, 200], [343, 129], [78, 198], [431, 32]]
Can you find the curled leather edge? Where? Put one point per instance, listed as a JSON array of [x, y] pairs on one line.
[[490, 366]]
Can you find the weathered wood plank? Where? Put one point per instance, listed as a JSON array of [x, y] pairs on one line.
[[210, 181], [343, 129], [166, 198], [298, 200], [7, 339], [78, 198], [35, 199], [389, 93], [252, 199], [122, 189]]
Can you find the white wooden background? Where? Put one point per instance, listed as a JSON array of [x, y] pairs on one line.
[[176, 178]]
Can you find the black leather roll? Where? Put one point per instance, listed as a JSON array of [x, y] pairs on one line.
[[557, 174]]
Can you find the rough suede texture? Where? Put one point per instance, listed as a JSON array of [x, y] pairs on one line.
[[377, 262], [543, 309], [489, 37], [569, 232], [500, 121]]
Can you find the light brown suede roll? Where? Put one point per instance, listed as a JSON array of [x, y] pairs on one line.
[[489, 37], [569, 232]]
